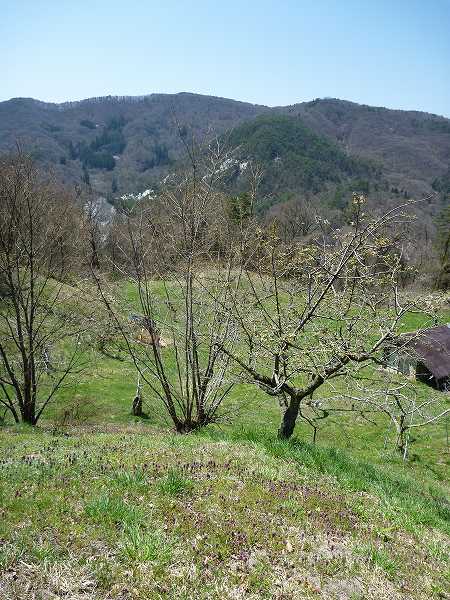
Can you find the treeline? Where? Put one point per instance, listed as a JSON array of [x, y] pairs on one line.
[[293, 157], [100, 152]]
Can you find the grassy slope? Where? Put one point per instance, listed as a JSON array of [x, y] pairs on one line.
[[122, 508], [133, 515]]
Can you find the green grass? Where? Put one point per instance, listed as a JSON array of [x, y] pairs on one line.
[[113, 510], [110, 506], [145, 546], [379, 558], [211, 516], [402, 499], [174, 483]]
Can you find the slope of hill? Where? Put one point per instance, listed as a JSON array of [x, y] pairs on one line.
[[124, 144], [413, 147], [96, 504], [293, 157], [192, 517]]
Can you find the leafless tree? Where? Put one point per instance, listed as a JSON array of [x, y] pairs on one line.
[[39, 329], [401, 401], [295, 219], [318, 311], [91, 227], [172, 250]]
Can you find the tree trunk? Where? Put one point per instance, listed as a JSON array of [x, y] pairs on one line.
[[288, 419], [137, 406], [402, 440], [14, 414], [185, 427], [28, 408], [28, 414]]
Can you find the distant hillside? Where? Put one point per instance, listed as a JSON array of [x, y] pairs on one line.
[[124, 144], [412, 147], [294, 158]]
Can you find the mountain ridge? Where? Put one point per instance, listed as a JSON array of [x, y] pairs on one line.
[[128, 143], [143, 97]]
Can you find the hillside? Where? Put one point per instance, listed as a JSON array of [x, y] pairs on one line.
[[97, 504], [295, 158], [412, 147], [193, 517], [124, 144]]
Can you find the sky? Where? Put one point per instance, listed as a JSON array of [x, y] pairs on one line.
[[392, 53]]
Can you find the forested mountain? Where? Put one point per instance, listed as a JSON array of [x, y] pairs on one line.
[[295, 158], [125, 144], [412, 147], [120, 143]]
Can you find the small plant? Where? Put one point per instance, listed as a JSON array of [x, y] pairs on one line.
[[174, 483], [127, 479], [45, 553], [380, 558], [145, 546], [113, 510]]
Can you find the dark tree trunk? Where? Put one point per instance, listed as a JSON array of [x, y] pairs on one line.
[[28, 415], [9, 406], [28, 408], [14, 414], [184, 427], [288, 419], [137, 406]]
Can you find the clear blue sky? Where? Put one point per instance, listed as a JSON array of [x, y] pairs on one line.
[[387, 53]]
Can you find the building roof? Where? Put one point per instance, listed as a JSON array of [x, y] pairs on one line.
[[431, 347]]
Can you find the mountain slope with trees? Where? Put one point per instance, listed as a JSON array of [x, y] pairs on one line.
[[293, 158], [125, 144], [413, 147], [116, 143]]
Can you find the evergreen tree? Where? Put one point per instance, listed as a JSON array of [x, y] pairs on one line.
[[86, 178], [240, 208]]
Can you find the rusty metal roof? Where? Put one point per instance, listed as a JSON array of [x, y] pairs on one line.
[[431, 347]]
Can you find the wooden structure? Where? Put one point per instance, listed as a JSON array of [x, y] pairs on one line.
[[423, 354]]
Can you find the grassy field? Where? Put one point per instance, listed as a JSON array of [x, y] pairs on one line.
[[111, 507], [137, 512]]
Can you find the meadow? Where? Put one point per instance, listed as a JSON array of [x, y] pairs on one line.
[[97, 504]]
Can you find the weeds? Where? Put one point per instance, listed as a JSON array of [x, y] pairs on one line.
[[113, 510], [129, 479], [174, 483], [417, 505], [114, 515], [378, 557], [145, 546]]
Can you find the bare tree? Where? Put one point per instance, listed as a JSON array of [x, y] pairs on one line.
[[92, 227], [400, 400], [319, 311], [39, 330], [171, 249], [295, 219]]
